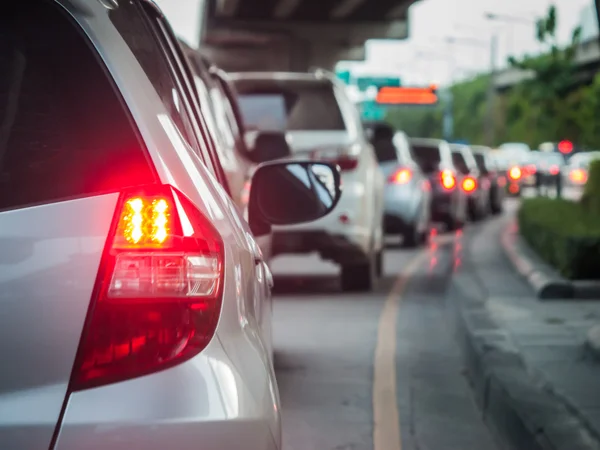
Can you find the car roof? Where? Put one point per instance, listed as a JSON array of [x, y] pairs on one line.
[[427, 142]]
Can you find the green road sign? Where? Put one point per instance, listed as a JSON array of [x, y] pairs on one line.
[[344, 75], [364, 83], [371, 111]]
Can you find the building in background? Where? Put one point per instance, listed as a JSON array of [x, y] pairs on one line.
[[588, 22]]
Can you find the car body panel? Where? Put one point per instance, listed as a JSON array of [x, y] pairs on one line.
[[47, 275]]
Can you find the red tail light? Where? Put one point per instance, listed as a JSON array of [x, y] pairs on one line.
[[554, 169], [578, 176], [514, 173], [158, 294], [469, 184], [531, 169], [448, 180], [401, 176]]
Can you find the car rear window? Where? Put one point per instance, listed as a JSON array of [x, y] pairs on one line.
[[480, 160], [428, 157], [459, 162], [64, 132], [289, 105]]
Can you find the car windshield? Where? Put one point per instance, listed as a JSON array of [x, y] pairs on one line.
[[481, 162], [289, 106], [459, 162]]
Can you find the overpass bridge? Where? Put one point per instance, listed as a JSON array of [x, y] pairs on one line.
[[246, 35], [587, 59]]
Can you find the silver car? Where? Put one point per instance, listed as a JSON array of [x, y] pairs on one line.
[[134, 304], [407, 189]]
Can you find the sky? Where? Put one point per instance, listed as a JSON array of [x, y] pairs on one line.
[[426, 56]]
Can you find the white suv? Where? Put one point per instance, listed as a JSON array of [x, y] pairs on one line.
[[322, 123]]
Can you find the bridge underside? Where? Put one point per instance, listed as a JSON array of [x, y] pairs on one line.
[[246, 35]]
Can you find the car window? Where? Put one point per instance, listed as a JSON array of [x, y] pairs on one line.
[[459, 162], [64, 130], [428, 157], [289, 105], [482, 163]]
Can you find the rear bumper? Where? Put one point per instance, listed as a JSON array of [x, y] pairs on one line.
[[443, 206], [201, 403], [401, 208], [334, 247]]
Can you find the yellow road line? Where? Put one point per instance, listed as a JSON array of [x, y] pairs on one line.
[[386, 420]]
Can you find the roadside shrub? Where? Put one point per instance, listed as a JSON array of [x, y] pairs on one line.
[[590, 198], [566, 234]]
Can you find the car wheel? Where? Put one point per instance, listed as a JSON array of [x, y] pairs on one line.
[[497, 207], [359, 277]]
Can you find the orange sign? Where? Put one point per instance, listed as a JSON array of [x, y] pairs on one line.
[[407, 96]]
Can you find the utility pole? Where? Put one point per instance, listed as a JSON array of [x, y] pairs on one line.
[[491, 94]]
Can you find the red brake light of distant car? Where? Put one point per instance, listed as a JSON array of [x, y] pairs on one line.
[[531, 169], [501, 181], [554, 170], [401, 176], [469, 184], [578, 176], [158, 294], [565, 147], [514, 173], [448, 180]]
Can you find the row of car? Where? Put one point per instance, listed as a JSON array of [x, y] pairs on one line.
[[543, 168]]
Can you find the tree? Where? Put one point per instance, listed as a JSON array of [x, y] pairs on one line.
[[554, 78]]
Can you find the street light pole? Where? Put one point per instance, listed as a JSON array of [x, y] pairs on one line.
[[491, 94]]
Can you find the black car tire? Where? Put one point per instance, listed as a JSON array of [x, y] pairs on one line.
[[359, 277], [411, 237]]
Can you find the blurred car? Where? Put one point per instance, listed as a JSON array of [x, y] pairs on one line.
[[135, 306], [497, 179], [514, 147], [513, 164], [226, 126], [408, 190], [576, 172], [320, 122], [474, 184], [449, 203], [547, 167]]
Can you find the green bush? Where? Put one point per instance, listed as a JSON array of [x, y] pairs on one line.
[[591, 192], [564, 233]]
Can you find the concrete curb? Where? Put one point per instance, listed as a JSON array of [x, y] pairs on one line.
[[517, 405], [544, 280], [592, 341]]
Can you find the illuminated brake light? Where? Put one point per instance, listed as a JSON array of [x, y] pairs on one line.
[[448, 180], [469, 184], [158, 297], [514, 173], [401, 176], [554, 170], [578, 176]]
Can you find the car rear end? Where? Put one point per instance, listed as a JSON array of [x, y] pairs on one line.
[[434, 158], [473, 184], [489, 170], [321, 124], [406, 191], [111, 281]]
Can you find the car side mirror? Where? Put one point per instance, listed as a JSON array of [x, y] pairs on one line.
[[269, 146], [292, 192]]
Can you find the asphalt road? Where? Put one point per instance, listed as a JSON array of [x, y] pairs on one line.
[[345, 361]]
